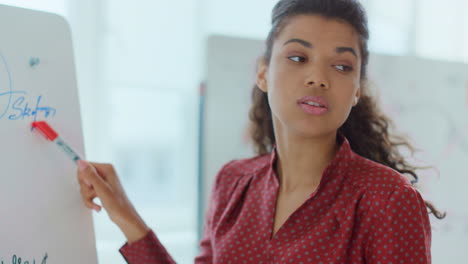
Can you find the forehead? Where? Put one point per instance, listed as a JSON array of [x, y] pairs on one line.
[[320, 31]]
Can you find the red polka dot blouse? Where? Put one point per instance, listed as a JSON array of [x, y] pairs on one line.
[[361, 212]]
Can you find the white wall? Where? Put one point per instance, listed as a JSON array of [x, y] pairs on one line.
[[428, 28], [242, 18], [140, 64]]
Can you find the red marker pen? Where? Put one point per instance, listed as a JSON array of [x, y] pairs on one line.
[[51, 135]]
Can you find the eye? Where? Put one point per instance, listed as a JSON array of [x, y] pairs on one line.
[[297, 58], [344, 68]]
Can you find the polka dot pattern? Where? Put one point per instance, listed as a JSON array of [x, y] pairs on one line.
[[361, 212], [148, 250]]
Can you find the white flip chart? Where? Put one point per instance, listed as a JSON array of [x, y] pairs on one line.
[[42, 217]]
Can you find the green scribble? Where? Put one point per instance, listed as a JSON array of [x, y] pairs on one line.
[[44, 260], [17, 260]]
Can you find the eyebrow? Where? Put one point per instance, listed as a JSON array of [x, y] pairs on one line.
[[310, 46]]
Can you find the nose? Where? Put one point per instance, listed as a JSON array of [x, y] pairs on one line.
[[322, 84], [317, 78]]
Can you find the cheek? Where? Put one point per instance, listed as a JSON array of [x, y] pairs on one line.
[[284, 80], [345, 100], [281, 91]]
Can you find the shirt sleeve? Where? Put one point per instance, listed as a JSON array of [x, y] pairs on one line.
[[206, 248], [206, 254], [400, 232], [147, 250]]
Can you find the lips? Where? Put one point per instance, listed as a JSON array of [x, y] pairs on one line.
[[314, 105], [308, 100]]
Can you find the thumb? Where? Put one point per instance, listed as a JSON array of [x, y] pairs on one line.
[[90, 175]]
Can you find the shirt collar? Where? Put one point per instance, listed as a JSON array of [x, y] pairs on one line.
[[337, 166]]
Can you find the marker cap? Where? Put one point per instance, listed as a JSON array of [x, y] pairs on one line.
[[45, 129]]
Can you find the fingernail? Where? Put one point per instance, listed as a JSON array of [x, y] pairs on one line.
[[82, 165]]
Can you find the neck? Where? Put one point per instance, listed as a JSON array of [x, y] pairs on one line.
[[301, 161]]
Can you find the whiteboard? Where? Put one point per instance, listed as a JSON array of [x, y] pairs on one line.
[[427, 99], [43, 219]]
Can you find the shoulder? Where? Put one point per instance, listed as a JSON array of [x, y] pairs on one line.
[[232, 176], [237, 170], [381, 188], [373, 176], [379, 184], [240, 167]]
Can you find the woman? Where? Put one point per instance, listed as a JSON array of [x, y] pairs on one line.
[[327, 185]]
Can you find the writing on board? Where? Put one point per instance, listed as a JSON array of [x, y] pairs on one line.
[[18, 260], [17, 105]]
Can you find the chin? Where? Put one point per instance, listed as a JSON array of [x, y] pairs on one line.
[[311, 130]]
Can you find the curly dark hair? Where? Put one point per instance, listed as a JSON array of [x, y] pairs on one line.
[[367, 128]]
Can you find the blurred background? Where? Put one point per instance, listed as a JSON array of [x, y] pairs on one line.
[[142, 67]]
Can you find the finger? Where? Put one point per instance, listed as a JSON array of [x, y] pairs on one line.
[[86, 189], [91, 205], [108, 171], [82, 182], [88, 196], [89, 174], [99, 168]]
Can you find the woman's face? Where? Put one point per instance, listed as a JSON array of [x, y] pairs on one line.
[[312, 56]]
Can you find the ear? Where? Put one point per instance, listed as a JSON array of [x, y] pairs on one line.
[[357, 96], [261, 80]]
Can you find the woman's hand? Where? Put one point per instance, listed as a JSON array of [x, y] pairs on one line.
[[101, 180]]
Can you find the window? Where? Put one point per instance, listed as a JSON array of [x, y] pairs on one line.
[[53, 6], [147, 68]]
